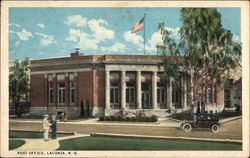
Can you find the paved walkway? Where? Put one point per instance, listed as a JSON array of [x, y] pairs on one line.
[[94, 121], [40, 144]]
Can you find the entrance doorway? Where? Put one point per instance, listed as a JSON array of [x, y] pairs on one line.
[[176, 98], [145, 95]]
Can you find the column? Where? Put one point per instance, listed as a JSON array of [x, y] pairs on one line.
[[67, 89], [154, 90], [107, 90], [76, 90], [45, 91], [123, 90], [55, 97], [138, 89], [169, 93], [184, 94]]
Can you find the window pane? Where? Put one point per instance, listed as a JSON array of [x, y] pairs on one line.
[[72, 95], [158, 95], [51, 96], [61, 85], [59, 95], [132, 95], [63, 95], [130, 84], [111, 95], [114, 84], [127, 95], [116, 95], [162, 96]]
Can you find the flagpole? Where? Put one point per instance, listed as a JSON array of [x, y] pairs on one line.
[[144, 31]]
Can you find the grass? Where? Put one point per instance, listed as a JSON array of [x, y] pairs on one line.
[[13, 144], [31, 135], [111, 143], [223, 115], [28, 117]]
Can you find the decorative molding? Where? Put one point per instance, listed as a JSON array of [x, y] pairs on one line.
[[65, 71]]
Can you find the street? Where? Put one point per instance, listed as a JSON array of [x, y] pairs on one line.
[[231, 130]]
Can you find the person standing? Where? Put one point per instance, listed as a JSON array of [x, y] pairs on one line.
[[53, 126], [46, 127], [65, 114]]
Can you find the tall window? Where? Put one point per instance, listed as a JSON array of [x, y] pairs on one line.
[[160, 93], [61, 93], [130, 92], [114, 92], [50, 93], [72, 92]]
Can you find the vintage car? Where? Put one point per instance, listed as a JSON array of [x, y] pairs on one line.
[[202, 121]]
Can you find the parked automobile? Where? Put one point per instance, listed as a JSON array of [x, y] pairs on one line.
[[203, 121]]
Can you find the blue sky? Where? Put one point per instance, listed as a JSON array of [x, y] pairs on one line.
[[54, 32]]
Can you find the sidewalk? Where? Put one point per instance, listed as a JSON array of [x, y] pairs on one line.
[[40, 144], [161, 122]]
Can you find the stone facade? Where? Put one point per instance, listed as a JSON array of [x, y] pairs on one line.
[[107, 85]]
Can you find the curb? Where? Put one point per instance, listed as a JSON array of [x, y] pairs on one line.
[[179, 121], [166, 137], [229, 120], [40, 131]]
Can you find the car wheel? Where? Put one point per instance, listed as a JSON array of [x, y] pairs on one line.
[[181, 125], [187, 127], [215, 128]]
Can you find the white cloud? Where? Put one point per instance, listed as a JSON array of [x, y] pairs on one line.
[[77, 20], [117, 47], [174, 32], [24, 35], [98, 32], [133, 38], [46, 39], [17, 25], [42, 26], [17, 43], [155, 39]]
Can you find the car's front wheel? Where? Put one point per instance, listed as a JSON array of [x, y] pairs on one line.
[[215, 128], [187, 127]]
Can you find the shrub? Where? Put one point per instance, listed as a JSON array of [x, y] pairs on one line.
[[112, 118], [147, 119], [133, 119], [118, 118], [101, 118], [154, 118], [107, 118], [128, 119]]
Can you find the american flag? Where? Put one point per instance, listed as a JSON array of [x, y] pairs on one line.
[[138, 25]]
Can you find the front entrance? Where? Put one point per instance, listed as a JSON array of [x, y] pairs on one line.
[[145, 99], [176, 98], [145, 95]]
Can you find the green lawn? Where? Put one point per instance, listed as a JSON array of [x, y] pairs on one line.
[[13, 144], [112, 143], [31, 135]]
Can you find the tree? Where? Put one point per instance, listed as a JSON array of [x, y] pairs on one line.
[[208, 50], [18, 84]]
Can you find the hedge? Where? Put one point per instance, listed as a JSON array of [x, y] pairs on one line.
[[152, 118]]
